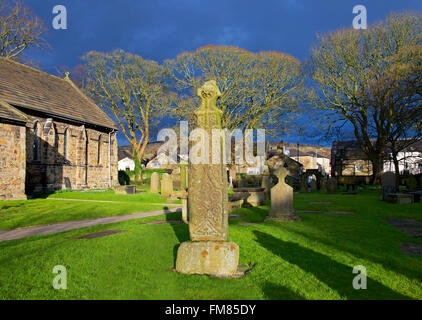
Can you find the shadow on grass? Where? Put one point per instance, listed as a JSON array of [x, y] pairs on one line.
[[274, 291], [180, 230], [365, 251], [251, 214], [337, 276]]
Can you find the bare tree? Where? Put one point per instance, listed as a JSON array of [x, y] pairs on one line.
[[20, 30], [398, 94], [258, 90], [350, 69], [133, 89]]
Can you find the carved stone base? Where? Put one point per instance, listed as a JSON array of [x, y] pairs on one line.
[[208, 257], [283, 217]]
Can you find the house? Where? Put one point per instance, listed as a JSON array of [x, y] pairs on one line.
[[410, 159], [150, 153], [126, 164], [348, 160], [278, 158], [51, 135], [311, 160]]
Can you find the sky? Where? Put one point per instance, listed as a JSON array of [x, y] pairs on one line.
[[161, 29]]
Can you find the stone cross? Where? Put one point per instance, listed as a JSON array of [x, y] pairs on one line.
[[155, 182], [209, 251], [282, 198]]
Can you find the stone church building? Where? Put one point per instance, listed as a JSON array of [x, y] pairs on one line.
[[52, 136]]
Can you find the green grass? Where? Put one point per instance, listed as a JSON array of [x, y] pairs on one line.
[[311, 259], [17, 214]]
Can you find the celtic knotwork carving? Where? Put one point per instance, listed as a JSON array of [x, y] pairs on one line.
[[207, 190]]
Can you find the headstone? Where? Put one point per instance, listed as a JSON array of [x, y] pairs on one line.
[[323, 186], [155, 182], [282, 199], [183, 177], [166, 185], [332, 185], [388, 184], [183, 189], [303, 185], [314, 186], [266, 184], [252, 196], [209, 251], [412, 183]]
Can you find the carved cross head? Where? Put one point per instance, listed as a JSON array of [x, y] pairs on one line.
[[281, 173], [209, 91]]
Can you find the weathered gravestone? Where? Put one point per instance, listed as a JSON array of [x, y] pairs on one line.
[[303, 185], [266, 183], [166, 185], [209, 251], [155, 182], [332, 185], [314, 186], [411, 183], [183, 190], [388, 184], [282, 199], [323, 185]]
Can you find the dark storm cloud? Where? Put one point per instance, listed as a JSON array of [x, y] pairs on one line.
[[161, 29]]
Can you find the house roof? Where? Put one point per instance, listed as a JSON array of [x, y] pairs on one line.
[[25, 87], [150, 150], [351, 149]]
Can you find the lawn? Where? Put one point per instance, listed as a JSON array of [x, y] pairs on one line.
[[16, 214], [311, 259]]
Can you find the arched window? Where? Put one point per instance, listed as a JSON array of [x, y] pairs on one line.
[[36, 145], [65, 143], [99, 150]]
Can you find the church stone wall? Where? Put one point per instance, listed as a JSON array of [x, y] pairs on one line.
[[85, 163], [12, 161]]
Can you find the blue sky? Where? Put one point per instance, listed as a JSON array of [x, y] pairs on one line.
[[160, 29]]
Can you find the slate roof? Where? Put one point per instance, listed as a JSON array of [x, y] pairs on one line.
[[10, 113], [25, 87], [149, 153]]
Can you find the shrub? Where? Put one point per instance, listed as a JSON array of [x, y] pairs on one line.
[[123, 177]]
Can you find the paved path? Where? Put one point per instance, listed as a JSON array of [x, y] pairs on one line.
[[69, 225], [108, 201]]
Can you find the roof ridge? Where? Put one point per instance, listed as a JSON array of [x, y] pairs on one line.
[[32, 68], [84, 96]]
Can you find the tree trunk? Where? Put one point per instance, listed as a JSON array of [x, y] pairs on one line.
[[137, 176], [377, 169], [397, 171], [137, 157]]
